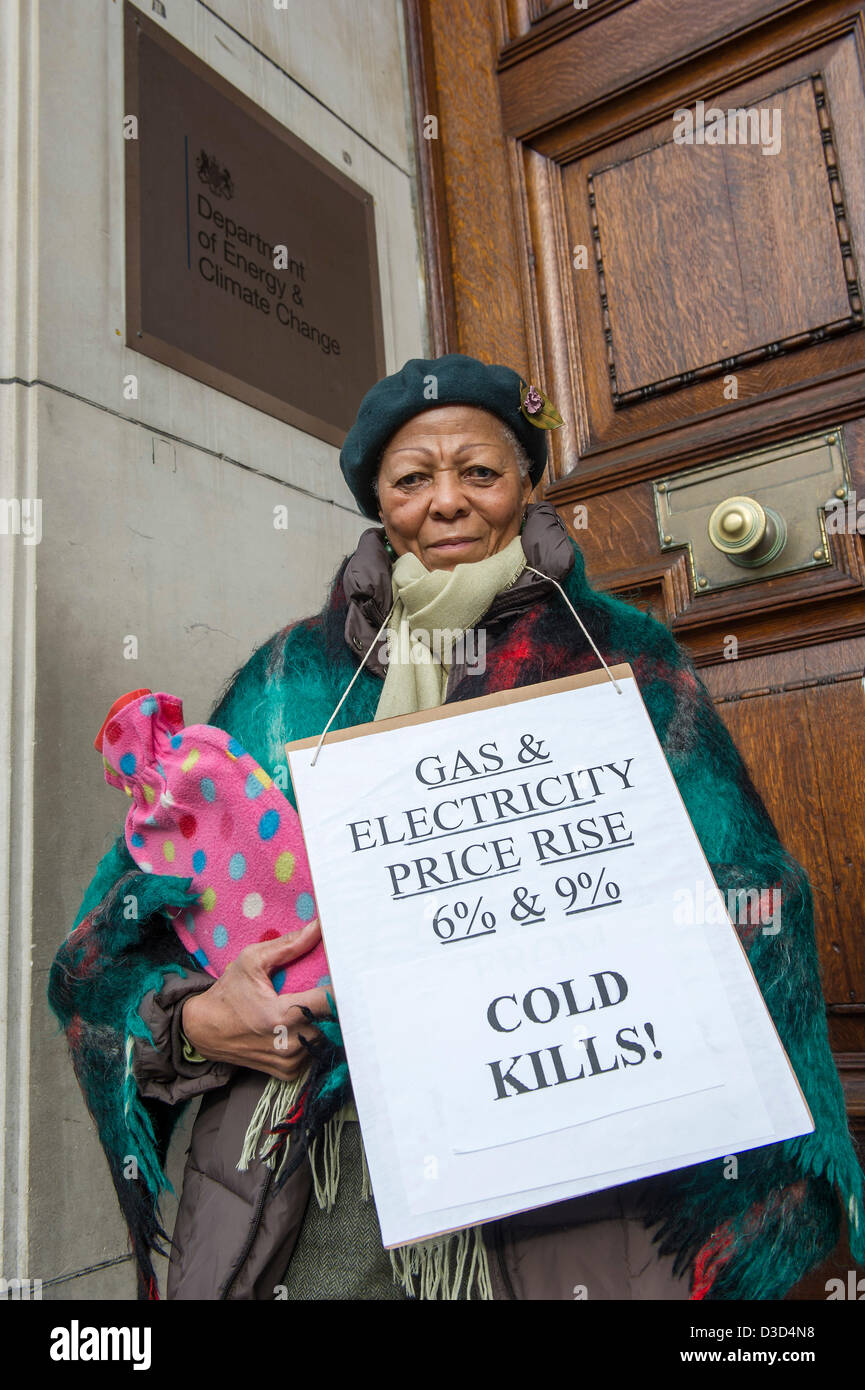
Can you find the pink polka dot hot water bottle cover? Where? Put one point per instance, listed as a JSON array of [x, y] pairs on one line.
[[202, 808]]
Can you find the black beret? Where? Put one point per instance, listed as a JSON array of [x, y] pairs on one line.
[[421, 384]]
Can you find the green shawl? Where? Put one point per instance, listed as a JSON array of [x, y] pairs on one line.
[[749, 1238]]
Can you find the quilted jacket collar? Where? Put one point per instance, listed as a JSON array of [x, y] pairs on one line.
[[367, 579]]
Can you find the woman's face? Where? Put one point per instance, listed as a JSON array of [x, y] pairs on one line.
[[449, 487]]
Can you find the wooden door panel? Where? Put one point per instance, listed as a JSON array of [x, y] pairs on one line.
[[700, 267], [779, 726], [794, 715], [606, 48], [714, 253]]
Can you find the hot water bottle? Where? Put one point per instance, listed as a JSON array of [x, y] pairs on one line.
[[203, 808]]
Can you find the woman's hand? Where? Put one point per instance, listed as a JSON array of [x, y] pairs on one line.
[[241, 1019]]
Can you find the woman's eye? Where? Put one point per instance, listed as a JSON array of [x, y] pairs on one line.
[[480, 469]]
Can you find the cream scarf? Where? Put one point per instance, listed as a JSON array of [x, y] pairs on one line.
[[433, 609]]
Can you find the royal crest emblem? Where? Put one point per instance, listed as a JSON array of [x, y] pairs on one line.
[[211, 172]]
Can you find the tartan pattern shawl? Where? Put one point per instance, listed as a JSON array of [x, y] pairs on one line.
[[752, 1237]]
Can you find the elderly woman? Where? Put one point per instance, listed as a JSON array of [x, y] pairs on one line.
[[445, 454]]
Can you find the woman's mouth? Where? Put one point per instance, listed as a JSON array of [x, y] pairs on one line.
[[452, 544]]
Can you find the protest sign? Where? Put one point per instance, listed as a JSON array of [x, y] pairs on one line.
[[527, 1014]]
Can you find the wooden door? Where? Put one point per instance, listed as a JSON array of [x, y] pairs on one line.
[[682, 303]]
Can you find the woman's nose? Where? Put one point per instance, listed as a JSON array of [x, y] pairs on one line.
[[447, 497]]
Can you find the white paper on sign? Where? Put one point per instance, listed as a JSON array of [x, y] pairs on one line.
[[540, 991], [576, 1068]]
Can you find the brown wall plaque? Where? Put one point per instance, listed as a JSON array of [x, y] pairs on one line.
[[213, 185]]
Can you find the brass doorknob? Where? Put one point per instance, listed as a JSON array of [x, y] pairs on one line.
[[747, 532]]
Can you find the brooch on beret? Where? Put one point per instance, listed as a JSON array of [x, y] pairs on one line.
[[538, 408]]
